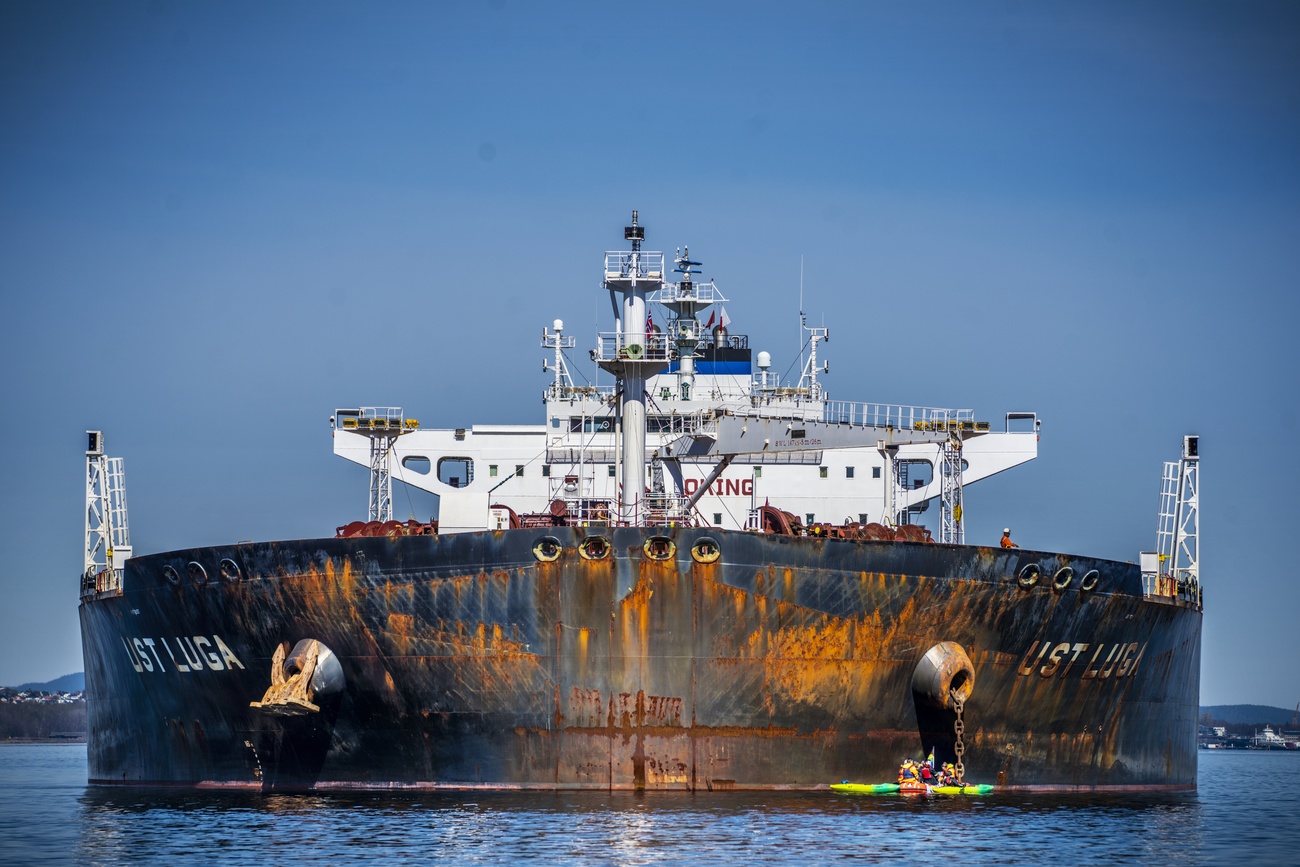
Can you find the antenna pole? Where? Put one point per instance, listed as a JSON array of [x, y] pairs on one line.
[[802, 321]]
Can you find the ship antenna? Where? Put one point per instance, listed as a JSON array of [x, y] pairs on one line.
[[802, 320], [634, 233]]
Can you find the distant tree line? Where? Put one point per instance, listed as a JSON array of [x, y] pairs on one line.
[[42, 720], [1248, 716]]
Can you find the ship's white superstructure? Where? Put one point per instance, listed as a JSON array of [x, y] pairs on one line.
[[699, 401]]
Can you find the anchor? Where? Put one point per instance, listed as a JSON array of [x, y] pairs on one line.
[[300, 678]]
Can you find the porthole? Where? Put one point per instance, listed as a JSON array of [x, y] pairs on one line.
[[659, 548], [547, 549], [230, 570], [594, 548], [1029, 575], [1090, 579], [1063, 577], [705, 550], [198, 574], [171, 576]]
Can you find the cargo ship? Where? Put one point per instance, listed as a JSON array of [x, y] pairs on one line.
[[693, 576]]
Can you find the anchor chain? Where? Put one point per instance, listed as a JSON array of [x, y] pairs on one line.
[[959, 728]]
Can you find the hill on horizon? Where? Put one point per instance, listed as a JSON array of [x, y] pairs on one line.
[[75, 682], [1249, 714]]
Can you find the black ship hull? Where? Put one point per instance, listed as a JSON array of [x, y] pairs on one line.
[[533, 658]]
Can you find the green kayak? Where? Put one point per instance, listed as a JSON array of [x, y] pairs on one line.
[[865, 788], [912, 789]]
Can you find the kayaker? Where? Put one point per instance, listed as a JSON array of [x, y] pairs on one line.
[[927, 773], [907, 771], [948, 776]]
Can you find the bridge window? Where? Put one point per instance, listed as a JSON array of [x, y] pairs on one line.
[[456, 472], [875, 472], [492, 470], [589, 424], [915, 474], [821, 471], [417, 464], [848, 472]]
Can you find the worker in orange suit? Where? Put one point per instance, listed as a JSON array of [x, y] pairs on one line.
[[1006, 539]]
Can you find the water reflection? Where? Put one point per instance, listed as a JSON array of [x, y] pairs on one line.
[[630, 828], [49, 815]]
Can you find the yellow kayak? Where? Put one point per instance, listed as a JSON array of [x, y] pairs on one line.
[[967, 789], [864, 788]]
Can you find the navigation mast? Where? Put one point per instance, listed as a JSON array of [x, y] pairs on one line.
[[556, 341], [1178, 531], [382, 425], [633, 353], [108, 541]]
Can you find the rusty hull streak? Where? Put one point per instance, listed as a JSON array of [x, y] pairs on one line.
[[785, 664]]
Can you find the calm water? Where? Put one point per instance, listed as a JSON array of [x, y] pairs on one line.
[[1246, 811]]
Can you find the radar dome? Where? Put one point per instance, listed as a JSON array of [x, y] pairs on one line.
[[764, 360], [558, 325]]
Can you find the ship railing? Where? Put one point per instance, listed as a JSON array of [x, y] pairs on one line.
[[700, 293], [723, 391], [683, 423], [901, 417], [618, 346], [805, 403], [574, 393], [587, 510], [577, 455], [664, 510], [1179, 586], [787, 401], [619, 265], [373, 418]]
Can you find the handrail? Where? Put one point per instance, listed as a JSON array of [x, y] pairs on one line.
[[618, 345], [649, 264]]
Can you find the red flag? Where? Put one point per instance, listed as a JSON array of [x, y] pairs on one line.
[[709, 324]]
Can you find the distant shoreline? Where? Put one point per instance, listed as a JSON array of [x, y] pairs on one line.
[[79, 739]]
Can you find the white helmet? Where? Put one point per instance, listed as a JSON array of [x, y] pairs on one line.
[[1006, 529]]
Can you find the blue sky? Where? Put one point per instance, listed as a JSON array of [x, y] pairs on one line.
[[220, 221]]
